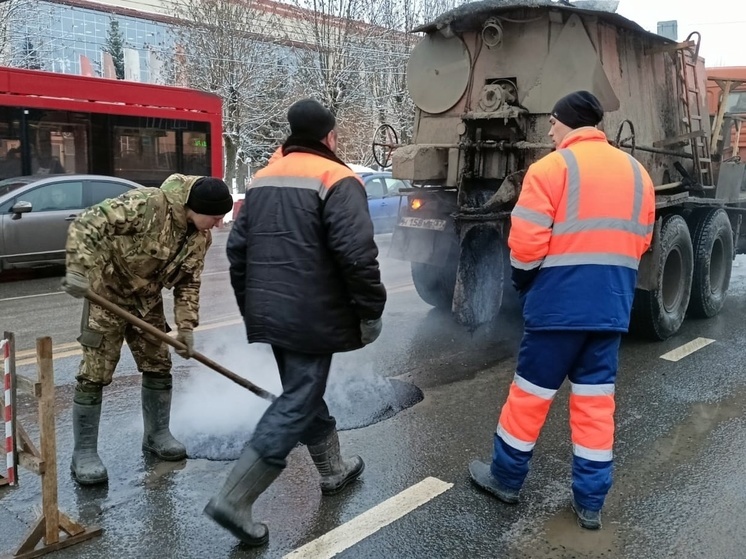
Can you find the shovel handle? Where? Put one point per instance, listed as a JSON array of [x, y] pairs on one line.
[[150, 329]]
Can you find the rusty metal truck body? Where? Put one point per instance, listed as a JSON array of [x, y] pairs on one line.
[[484, 79]]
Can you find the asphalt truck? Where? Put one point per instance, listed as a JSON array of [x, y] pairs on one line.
[[484, 78]]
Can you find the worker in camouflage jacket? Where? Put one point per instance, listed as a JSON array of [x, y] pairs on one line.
[[128, 249]]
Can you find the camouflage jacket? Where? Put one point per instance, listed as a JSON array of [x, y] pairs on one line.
[[133, 246]]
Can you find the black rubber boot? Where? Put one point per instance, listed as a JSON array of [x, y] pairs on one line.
[[156, 414], [336, 473], [231, 507], [588, 519], [86, 466], [482, 477]]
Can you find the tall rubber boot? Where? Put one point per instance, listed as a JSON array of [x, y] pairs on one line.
[[156, 414], [335, 472], [86, 466], [231, 507]]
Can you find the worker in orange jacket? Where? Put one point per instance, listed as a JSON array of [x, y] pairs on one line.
[[583, 220]]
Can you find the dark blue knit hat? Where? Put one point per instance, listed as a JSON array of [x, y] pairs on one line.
[[578, 109], [310, 119]]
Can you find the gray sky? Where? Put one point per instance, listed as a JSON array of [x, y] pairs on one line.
[[722, 24]]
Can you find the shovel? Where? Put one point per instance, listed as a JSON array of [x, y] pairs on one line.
[[150, 329]]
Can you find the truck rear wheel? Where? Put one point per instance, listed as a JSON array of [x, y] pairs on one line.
[[658, 314], [713, 262], [435, 284]]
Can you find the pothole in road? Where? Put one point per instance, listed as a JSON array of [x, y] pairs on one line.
[[353, 404], [359, 407]]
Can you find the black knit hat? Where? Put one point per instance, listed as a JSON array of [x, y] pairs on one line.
[[310, 119], [578, 109], [210, 196]]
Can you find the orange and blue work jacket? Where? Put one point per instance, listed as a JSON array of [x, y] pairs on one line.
[[583, 219], [303, 260]]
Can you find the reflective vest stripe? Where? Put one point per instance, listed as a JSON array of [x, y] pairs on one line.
[[573, 185], [592, 389], [524, 265], [531, 388], [300, 165], [600, 224], [584, 258], [573, 223], [523, 415], [593, 455], [511, 441], [290, 182], [532, 216]]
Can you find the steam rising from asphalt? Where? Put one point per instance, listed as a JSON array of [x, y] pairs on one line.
[[215, 417]]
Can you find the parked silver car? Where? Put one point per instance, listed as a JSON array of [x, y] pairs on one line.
[[36, 211]]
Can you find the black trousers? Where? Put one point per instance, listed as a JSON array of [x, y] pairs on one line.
[[299, 414]]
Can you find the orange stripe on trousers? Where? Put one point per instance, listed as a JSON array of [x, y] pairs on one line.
[[592, 421], [523, 414]]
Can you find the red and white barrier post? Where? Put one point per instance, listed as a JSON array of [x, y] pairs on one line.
[[8, 413]]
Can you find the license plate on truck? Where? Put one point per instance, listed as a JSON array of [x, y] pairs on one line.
[[422, 223]]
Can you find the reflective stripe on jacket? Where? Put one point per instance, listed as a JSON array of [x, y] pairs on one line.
[[584, 218]]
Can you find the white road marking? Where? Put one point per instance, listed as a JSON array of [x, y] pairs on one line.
[[32, 296], [368, 523], [687, 349], [28, 356]]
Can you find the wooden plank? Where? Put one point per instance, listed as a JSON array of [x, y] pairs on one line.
[[28, 462], [717, 126], [737, 143], [27, 445], [69, 526], [50, 507], [27, 386], [62, 544], [33, 537]]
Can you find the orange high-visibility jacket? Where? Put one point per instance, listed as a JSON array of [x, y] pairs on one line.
[[583, 219]]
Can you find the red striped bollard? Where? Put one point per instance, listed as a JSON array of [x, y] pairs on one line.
[[9, 427]]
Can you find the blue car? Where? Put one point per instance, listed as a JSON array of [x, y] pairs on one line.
[[384, 197]]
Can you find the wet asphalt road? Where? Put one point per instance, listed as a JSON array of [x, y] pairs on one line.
[[680, 480]]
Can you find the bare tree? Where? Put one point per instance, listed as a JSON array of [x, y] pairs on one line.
[[388, 71], [332, 36], [24, 34], [8, 12], [334, 41], [234, 57]]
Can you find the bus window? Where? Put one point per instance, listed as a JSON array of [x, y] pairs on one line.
[[10, 144], [59, 142], [144, 155], [196, 153]]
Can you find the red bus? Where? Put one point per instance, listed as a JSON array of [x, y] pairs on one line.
[[56, 123]]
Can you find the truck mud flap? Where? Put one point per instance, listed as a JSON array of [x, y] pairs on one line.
[[480, 278]]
